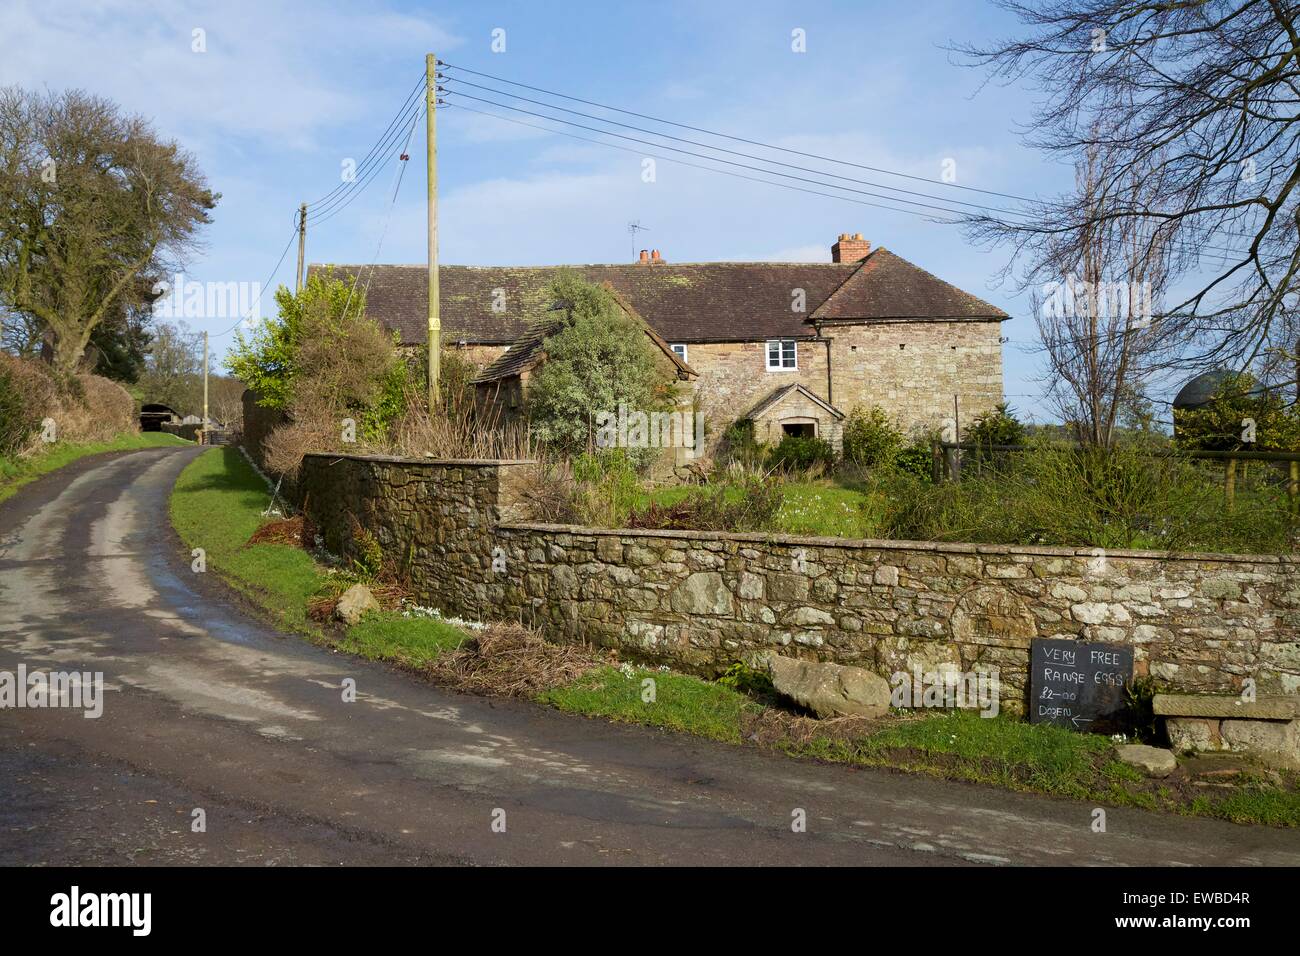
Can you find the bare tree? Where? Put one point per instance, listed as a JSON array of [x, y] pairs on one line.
[[173, 369], [226, 399], [1200, 101], [1098, 330], [91, 200]]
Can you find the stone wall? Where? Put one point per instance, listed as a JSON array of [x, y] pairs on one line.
[[910, 369], [913, 369], [734, 377], [702, 600], [435, 520]]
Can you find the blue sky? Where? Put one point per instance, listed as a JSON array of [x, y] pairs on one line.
[[286, 92]]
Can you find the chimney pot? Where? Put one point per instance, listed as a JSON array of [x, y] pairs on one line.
[[850, 248], [654, 256], [645, 256]]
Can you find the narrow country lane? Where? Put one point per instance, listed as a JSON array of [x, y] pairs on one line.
[[207, 708]]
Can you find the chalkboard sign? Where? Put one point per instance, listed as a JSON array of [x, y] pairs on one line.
[[1078, 685]]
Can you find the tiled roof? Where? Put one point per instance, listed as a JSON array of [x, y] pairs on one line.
[[523, 352], [889, 287], [686, 302], [780, 394]]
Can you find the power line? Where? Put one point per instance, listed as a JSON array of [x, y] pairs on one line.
[[738, 139], [687, 152], [400, 173], [682, 162], [770, 172], [732, 152], [292, 236], [343, 195], [367, 175], [394, 122], [767, 146]]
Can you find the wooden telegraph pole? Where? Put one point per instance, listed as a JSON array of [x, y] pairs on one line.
[[205, 386], [435, 318], [302, 244]]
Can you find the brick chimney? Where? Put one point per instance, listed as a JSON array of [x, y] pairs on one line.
[[850, 248], [645, 257], [655, 258]]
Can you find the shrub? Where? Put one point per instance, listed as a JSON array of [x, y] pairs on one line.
[[870, 438], [998, 427], [917, 460], [800, 453], [322, 360], [740, 447], [104, 411], [1124, 497], [19, 418], [607, 486], [550, 491], [747, 680], [1218, 425], [748, 504], [84, 407]]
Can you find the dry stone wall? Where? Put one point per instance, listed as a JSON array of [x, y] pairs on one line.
[[702, 600]]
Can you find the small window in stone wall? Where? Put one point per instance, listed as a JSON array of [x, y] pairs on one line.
[[800, 429], [782, 355], [681, 352]]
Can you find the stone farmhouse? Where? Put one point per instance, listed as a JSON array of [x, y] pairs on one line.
[[792, 347]]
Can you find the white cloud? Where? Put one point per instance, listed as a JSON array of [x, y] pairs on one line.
[[269, 72]]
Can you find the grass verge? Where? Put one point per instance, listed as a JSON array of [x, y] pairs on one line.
[[16, 472], [217, 505], [961, 745], [679, 702]]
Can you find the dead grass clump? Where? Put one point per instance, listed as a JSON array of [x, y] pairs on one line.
[[321, 609], [514, 661], [390, 594], [285, 531], [455, 430], [774, 727], [550, 491]]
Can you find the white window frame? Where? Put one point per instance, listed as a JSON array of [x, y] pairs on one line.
[[780, 365], [680, 349]]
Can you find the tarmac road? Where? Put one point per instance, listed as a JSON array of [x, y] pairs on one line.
[[207, 708]]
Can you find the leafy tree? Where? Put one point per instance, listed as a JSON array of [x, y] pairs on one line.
[[598, 359], [91, 200], [121, 347], [1240, 415], [998, 427], [269, 360]]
